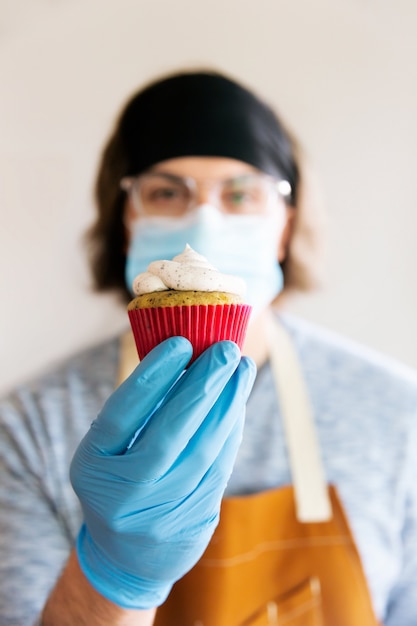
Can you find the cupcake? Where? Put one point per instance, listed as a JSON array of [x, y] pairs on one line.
[[189, 297]]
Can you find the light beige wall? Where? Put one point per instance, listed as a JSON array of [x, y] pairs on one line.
[[341, 72]]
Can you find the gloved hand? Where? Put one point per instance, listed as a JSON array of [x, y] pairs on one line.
[[151, 471]]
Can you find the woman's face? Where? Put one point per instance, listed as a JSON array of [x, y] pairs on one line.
[[206, 171]]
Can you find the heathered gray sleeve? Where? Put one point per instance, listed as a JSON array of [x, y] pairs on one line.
[[40, 426], [34, 540], [402, 604]]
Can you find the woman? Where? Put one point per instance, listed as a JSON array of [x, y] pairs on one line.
[[318, 522]]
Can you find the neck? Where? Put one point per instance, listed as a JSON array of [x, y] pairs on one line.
[[256, 342]]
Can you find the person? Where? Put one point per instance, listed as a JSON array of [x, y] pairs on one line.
[[113, 524]]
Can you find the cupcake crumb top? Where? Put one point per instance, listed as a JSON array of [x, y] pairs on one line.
[[172, 297]]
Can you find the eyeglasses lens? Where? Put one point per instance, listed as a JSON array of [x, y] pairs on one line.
[[162, 195], [245, 195]]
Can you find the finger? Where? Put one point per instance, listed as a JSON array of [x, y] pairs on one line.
[[226, 416], [189, 433], [203, 502], [184, 409], [130, 406]]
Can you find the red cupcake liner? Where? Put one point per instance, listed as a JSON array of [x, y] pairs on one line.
[[201, 324]]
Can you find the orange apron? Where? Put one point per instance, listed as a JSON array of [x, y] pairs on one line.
[[264, 567], [283, 556]]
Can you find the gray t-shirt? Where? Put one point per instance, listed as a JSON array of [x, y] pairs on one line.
[[365, 409]]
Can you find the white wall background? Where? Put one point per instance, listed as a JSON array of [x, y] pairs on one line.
[[341, 72]]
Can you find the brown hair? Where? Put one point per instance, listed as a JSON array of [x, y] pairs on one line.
[[304, 264], [106, 239]]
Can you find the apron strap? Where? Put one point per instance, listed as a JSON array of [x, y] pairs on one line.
[[310, 486]]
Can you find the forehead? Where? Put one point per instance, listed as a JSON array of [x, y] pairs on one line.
[[204, 167]]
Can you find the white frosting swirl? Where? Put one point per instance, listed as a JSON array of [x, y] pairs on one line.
[[188, 271]]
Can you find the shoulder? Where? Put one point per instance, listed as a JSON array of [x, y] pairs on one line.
[[339, 364], [365, 405], [60, 403], [345, 352], [93, 365]]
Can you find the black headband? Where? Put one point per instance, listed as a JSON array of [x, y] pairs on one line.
[[204, 114]]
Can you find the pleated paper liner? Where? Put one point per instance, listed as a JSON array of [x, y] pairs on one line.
[[202, 324]]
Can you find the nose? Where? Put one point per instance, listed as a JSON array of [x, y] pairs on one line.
[[204, 193]]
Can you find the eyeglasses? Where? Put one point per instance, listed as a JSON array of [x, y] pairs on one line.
[[165, 195]]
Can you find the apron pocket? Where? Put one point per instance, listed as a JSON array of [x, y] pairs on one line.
[[300, 606]]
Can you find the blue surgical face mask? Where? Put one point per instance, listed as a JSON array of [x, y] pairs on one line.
[[245, 246]]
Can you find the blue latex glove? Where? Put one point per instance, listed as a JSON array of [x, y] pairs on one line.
[[150, 507]]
